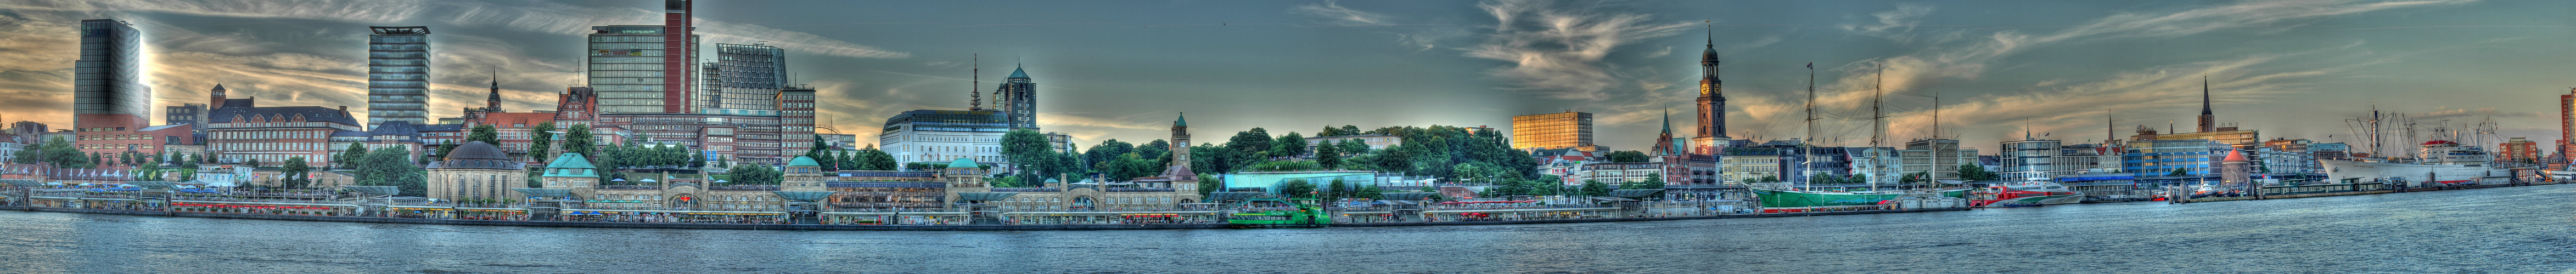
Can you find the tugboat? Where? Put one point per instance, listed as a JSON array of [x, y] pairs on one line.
[[1279, 213], [2030, 193]]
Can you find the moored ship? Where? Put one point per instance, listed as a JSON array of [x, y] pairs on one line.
[[2032, 193], [2441, 163], [1774, 200]]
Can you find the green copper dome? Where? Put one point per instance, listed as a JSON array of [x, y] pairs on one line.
[[961, 163], [804, 161]]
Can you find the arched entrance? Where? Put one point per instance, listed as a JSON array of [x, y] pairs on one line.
[[1082, 202], [683, 201]]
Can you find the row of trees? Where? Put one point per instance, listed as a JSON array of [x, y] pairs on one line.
[[60, 153]]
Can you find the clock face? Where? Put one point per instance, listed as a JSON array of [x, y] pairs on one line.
[[1707, 88]]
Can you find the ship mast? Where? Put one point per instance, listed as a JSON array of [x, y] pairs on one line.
[[1807, 149], [1877, 125]]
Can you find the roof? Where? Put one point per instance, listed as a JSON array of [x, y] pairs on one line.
[[351, 133], [314, 114], [804, 161], [438, 128], [961, 163], [219, 86], [570, 160], [1018, 73], [240, 103], [396, 127], [2235, 156], [477, 150], [1181, 120], [161, 127], [2437, 142]]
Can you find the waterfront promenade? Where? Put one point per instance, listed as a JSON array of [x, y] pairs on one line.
[[2492, 230], [314, 207]]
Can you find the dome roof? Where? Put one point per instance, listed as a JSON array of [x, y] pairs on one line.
[[477, 151], [804, 161], [961, 163]]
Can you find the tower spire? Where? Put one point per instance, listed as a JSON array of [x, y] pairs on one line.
[[494, 100], [975, 99], [2208, 119]]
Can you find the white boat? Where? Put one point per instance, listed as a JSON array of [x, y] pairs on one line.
[[2443, 162], [2026, 193]]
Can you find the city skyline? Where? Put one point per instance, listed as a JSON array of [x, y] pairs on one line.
[[2293, 69]]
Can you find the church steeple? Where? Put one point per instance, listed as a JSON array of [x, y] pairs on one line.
[[2208, 119], [494, 100], [1712, 100]]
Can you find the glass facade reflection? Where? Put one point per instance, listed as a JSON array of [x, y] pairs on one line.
[[398, 75]]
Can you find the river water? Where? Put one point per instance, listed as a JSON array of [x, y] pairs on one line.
[[2499, 230]]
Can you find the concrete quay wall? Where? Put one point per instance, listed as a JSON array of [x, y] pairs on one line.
[[880, 227]]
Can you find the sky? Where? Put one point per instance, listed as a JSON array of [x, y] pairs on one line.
[[2067, 70]]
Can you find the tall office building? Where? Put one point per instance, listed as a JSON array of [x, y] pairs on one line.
[[646, 68], [680, 44], [748, 78], [108, 79], [1019, 97], [625, 64], [796, 116], [398, 75], [1553, 131], [2566, 123]]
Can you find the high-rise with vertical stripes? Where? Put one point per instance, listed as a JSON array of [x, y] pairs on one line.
[[398, 75]]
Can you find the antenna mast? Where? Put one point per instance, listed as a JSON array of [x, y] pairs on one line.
[[977, 73]]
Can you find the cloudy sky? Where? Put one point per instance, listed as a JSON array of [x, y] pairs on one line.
[[2294, 68]]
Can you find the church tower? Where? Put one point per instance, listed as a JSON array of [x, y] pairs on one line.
[[2208, 120], [1712, 103]]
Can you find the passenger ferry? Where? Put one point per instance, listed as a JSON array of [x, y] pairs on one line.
[[1279, 213], [2030, 193]]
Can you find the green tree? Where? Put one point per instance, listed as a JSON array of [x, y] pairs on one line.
[[2179, 172], [1595, 188], [1210, 183], [349, 158], [1029, 151], [578, 140], [1369, 191], [1974, 172], [484, 133], [296, 173], [1246, 148], [1336, 190], [1328, 155], [1297, 188], [541, 142], [1354, 147], [1484, 173], [754, 174], [874, 159], [1289, 146], [62, 154], [1629, 156], [391, 166]]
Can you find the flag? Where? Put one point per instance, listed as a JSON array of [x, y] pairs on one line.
[[1811, 65]]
